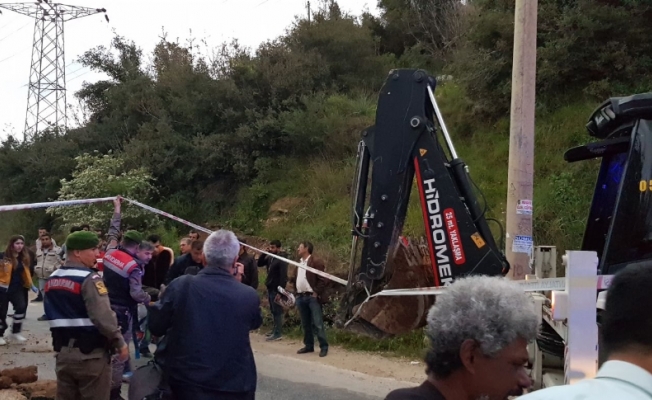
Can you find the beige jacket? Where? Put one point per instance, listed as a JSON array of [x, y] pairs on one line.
[[47, 261]]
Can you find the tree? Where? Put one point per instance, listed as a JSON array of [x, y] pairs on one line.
[[423, 33], [98, 176], [596, 48]]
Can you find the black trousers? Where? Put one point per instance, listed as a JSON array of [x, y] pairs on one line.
[[277, 312], [18, 299]]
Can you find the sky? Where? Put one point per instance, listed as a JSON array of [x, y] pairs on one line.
[[143, 21]]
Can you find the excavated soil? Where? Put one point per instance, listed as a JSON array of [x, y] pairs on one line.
[[11, 394], [41, 390], [22, 383], [21, 374]]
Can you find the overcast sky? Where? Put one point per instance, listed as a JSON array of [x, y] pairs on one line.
[[250, 21]]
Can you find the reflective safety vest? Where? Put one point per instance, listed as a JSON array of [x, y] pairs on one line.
[[118, 265], [64, 304], [100, 263]]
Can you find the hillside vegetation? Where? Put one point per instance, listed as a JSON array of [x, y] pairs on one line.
[[263, 140]]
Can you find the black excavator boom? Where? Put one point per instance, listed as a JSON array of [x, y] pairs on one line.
[[405, 142]]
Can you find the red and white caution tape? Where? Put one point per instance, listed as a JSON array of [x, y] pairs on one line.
[[168, 215], [534, 285], [183, 221], [529, 285], [61, 203]]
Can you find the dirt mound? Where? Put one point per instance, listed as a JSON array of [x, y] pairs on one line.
[[11, 394], [279, 211], [41, 390], [285, 205], [255, 241], [22, 383], [5, 382], [21, 374]]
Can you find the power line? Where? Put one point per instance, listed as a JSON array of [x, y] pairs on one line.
[[78, 69], [13, 55], [17, 30], [9, 24], [79, 76]]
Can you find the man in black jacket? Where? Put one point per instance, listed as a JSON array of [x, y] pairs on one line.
[[250, 277], [206, 320], [277, 275], [187, 264], [157, 268]]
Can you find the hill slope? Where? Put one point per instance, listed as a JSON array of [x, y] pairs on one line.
[[311, 200]]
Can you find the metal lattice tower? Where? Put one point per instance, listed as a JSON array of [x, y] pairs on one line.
[[46, 99]]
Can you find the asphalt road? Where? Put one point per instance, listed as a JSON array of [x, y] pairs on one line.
[[279, 377], [273, 389]]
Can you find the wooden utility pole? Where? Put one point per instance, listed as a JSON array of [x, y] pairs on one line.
[[520, 176]]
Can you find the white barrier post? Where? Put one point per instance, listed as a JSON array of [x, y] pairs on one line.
[[576, 304]]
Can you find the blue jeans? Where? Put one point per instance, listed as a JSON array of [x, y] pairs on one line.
[[147, 337], [277, 313], [41, 286], [312, 321]]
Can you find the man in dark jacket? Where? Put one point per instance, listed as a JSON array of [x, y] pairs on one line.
[[187, 264], [250, 277], [207, 349], [277, 275], [157, 268], [155, 272]]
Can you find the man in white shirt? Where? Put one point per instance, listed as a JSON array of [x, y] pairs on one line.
[[310, 297], [627, 341]]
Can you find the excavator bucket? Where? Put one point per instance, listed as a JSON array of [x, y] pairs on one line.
[[397, 315]]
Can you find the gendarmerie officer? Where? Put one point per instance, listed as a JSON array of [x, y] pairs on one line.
[[123, 276], [84, 328]]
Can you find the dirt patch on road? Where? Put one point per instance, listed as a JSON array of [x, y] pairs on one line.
[[367, 363], [21, 374]]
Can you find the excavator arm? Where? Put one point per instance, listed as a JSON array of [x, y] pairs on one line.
[[405, 142]]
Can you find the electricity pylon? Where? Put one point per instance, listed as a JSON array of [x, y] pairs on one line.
[[46, 98]]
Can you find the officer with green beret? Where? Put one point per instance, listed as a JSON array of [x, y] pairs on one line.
[[123, 275], [84, 328]]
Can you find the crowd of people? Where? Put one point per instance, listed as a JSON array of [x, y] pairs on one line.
[[129, 273], [201, 307]]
